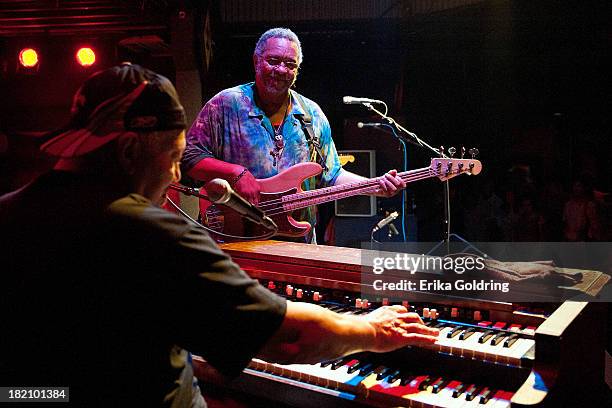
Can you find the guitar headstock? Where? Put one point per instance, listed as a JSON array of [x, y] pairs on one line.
[[446, 169], [346, 158]]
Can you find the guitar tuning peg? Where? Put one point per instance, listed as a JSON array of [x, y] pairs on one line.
[[474, 152], [452, 151], [441, 151], [462, 151]]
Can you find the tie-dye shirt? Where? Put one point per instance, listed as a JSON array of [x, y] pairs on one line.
[[232, 128]]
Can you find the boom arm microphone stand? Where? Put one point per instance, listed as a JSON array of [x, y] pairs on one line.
[[410, 137]]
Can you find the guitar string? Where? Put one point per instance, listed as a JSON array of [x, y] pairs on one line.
[[334, 190], [409, 176], [412, 175], [278, 206], [406, 176], [274, 209], [283, 208]]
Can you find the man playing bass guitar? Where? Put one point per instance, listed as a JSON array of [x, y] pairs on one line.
[[259, 129]]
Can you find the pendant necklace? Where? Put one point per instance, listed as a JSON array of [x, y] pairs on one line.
[[279, 141]]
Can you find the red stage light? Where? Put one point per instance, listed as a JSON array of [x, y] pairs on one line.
[[28, 57], [86, 56]]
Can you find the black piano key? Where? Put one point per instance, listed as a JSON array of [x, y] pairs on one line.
[[467, 333], [394, 376], [498, 338], [379, 370], [367, 369], [384, 373], [326, 363], [405, 379], [340, 362], [439, 385], [454, 332], [459, 390], [355, 367], [425, 383], [485, 395], [486, 336], [511, 340], [471, 392]]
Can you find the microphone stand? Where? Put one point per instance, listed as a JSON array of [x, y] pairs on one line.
[[414, 139], [410, 137], [188, 191]]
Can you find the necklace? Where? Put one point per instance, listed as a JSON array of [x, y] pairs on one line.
[[279, 141]]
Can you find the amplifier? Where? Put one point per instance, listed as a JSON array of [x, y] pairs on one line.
[[362, 162]]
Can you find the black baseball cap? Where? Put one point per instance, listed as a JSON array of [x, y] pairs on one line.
[[123, 98]]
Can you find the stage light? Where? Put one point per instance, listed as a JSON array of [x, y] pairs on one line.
[[86, 56], [28, 57]]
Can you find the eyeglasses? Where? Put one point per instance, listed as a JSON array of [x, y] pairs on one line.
[[276, 62]]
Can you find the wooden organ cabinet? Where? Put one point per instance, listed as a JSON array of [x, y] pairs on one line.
[[489, 354]]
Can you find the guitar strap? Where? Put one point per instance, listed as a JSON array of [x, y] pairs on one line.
[[314, 142], [313, 139]]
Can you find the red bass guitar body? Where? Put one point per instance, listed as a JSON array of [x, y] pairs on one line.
[[225, 220]]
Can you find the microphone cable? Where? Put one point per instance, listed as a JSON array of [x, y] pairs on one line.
[[212, 231], [404, 193]]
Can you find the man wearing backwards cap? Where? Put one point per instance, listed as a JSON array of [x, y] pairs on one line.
[[102, 291]]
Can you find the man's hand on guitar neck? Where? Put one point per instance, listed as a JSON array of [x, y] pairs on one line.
[[388, 185]]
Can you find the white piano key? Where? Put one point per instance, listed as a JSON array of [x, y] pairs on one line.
[[471, 348], [445, 396], [494, 402]]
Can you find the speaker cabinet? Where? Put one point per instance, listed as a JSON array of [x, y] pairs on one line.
[[363, 163]]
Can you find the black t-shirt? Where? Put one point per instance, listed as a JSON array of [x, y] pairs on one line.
[[103, 296]]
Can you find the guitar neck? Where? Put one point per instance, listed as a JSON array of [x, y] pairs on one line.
[[313, 197]]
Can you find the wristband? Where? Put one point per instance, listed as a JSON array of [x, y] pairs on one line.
[[235, 179]]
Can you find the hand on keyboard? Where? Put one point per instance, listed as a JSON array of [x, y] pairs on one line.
[[395, 328]]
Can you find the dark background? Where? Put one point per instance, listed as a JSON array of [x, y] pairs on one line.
[[526, 82]]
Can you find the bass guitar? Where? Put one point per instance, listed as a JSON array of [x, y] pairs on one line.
[[282, 194]]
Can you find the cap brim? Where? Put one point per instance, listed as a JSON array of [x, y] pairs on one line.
[[77, 142], [105, 124]]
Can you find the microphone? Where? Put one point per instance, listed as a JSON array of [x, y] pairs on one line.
[[372, 124], [351, 100], [220, 192], [385, 221]]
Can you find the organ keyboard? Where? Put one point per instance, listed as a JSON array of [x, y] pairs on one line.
[[488, 354]]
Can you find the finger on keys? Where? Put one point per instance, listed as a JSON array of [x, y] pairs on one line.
[[417, 338], [419, 328], [410, 317]]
